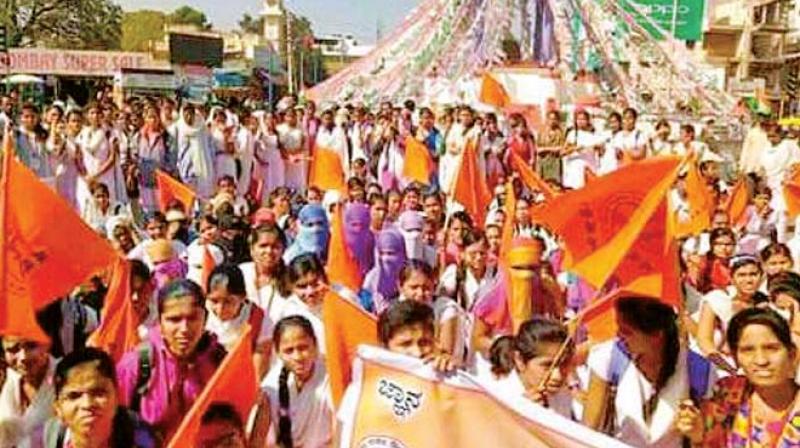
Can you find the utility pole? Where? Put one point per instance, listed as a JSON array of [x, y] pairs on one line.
[[289, 51]]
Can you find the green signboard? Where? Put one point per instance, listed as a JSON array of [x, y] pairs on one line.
[[687, 20]]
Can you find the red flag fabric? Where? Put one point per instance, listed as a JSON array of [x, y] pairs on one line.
[[234, 383], [346, 327], [51, 260], [341, 267], [117, 333], [737, 202], [327, 172], [493, 93], [530, 178], [791, 194], [17, 317], [701, 203], [170, 189], [417, 163], [470, 188], [620, 222], [589, 175]]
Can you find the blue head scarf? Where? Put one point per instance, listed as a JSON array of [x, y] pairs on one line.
[[312, 235]]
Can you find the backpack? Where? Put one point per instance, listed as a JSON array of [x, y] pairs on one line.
[[699, 371]]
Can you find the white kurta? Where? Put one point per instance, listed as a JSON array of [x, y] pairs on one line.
[[245, 152], [310, 409], [270, 165], [776, 160], [268, 298], [95, 149], [224, 162], [575, 164], [22, 427], [450, 162]]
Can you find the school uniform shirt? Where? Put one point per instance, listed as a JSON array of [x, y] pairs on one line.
[[21, 427], [291, 140], [195, 254], [228, 332], [511, 386], [268, 298], [296, 307], [310, 409], [633, 392], [471, 285]]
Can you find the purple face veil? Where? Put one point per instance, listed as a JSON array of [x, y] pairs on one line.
[[358, 237], [382, 280]]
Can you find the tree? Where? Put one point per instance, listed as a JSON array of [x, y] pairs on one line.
[[141, 27], [186, 15], [250, 24], [74, 24]]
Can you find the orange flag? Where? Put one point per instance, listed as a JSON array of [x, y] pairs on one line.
[[117, 333], [507, 236], [417, 163], [326, 170], [493, 92], [51, 260], [17, 317], [346, 327], [737, 202], [791, 194], [470, 188], [601, 225], [169, 190], [234, 383], [530, 178], [209, 263], [701, 203], [342, 267]]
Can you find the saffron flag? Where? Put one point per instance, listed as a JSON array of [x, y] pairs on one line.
[[17, 317], [51, 260], [510, 209], [737, 202], [791, 194], [346, 327], [417, 163], [530, 178], [327, 172], [117, 333], [607, 224], [341, 267], [402, 402], [701, 203], [234, 383], [170, 190], [470, 188], [493, 92]]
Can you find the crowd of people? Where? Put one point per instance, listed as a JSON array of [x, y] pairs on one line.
[[718, 371]]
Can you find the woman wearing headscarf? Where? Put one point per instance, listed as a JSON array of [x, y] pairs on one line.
[[312, 236], [382, 280], [358, 236], [195, 154], [411, 224]]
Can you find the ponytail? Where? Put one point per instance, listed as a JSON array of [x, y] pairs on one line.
[[284, 438]]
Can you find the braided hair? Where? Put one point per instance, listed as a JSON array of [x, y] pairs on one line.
[[284, 436]]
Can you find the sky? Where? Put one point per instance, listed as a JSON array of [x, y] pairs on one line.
[[357, 17]]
